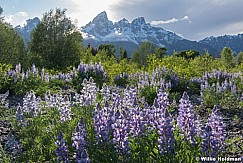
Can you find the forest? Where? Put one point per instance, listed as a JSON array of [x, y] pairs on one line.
[[62, 101]]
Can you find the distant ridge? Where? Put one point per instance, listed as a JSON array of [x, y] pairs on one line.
[[130, 34]]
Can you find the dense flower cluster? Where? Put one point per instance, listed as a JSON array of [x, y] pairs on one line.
[[61, 151], [13, 146], [101, 123], [186, 118], [31, 103], [88, 93], [83, 70], [3, 99], [64, 108], [166, 141], [79, 143], [214, 135]]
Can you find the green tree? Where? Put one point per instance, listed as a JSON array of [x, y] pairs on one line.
[[160, 52], [108, 48], [1, 11], [122, 54], [141, 54], [187, 54], [239, 58], [12, 49], [227, 56], [56, 42]]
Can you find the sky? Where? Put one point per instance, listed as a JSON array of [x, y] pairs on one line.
[[191, 19]]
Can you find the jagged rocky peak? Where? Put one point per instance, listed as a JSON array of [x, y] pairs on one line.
[[139, 21], [101, 17], [35, 20], [100, 25]]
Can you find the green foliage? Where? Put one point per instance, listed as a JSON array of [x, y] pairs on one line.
[[187, 54], [160, 52], [227, 56], [140, 55], [239, 58], [1, 11], [109, 49], [122, 54], [149, 93], [12, 49], [56, 41], [4, 157]]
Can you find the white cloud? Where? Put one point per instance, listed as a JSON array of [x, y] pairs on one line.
[[85, 11], [18, 18], [173, 20]]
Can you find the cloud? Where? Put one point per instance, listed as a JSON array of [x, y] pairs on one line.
[[16, 19], [201, 17], [173, 20]]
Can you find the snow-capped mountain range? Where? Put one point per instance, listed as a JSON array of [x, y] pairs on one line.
[[130, 34]]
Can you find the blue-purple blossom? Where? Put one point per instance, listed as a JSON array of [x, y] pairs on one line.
[[64, 108], [186, 118], [120, 135], [61, 151], [19, 114], [13, 147], [101, 123], [31, 103], [214, 135], [166, 141], [88, 93], [3, 99], [137, 120], [79, 143]]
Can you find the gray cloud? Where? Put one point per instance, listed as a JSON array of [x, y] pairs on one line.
[[194, 20]]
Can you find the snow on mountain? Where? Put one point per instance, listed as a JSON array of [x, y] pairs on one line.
[[28, 27], [130, 35], [102, 29], [235, 42]]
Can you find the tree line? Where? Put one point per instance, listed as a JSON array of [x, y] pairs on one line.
[[57, 43]]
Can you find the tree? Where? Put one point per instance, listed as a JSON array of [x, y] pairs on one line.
[[187, 54], [227, 56], [122, 54], [108, 48], [140, 55], [239, 58], [160, 52], [12, 49], [1, 11], [56, 42]]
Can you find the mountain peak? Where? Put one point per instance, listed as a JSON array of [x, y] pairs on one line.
[[101, 17], [139, 20]]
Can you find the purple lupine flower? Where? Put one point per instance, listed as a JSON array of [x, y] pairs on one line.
[[79, 143], [120, 135], [13, 146], [162, 100], [214, 136], [186, 118], [234, 89], [137, 122], [166, 141], [31, 103], [101, 127], [64, 108], [61, 151], [105, 92], [19, 114], [3, 99], [88, 93], [34, 70]]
